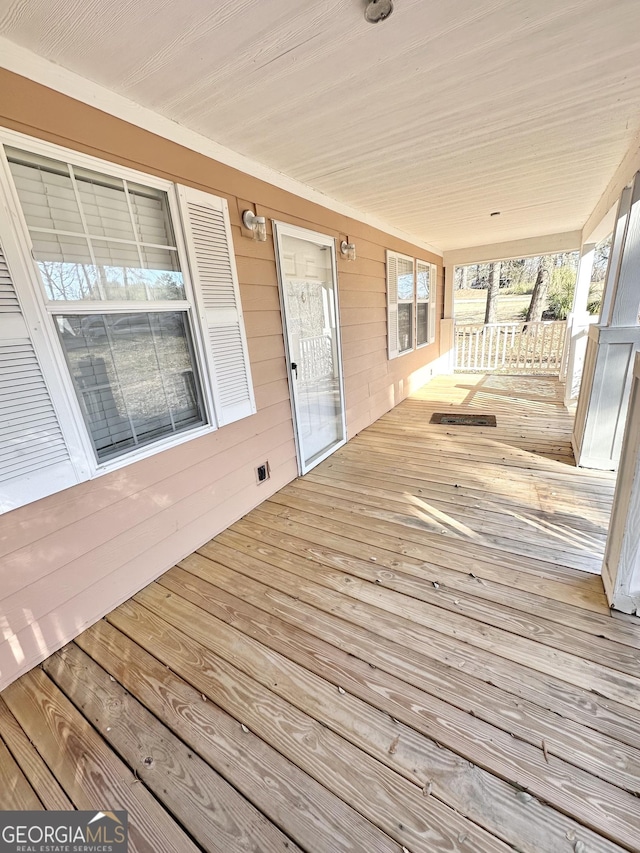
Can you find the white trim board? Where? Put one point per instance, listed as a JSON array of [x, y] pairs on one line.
[[547, 244], [28, 64], [623, 175]]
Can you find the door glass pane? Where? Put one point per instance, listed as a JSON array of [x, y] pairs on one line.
[[311, 317], [134, 375]]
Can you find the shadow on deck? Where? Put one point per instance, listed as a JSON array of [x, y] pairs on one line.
[[407, 649]]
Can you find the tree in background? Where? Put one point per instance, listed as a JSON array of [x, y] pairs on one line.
[[540, 294], [491, 312]]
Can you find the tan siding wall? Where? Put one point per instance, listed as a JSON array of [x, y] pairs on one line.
[[68, 559]]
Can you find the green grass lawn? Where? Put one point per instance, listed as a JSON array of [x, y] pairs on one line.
[[470, 305]]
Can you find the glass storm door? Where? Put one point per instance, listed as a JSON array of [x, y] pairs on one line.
[[308, 287]]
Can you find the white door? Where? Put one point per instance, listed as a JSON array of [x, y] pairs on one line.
[[309, 297]]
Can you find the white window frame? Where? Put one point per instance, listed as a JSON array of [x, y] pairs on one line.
[[393, 301], [38, 312], [410, 301], [429, 301]]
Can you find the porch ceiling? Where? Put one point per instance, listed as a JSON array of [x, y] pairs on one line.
[[429, 121]]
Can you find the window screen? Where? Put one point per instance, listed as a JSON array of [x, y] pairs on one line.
[[134, 376]]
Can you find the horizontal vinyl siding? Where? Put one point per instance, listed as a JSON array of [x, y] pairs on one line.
[[68, 559]]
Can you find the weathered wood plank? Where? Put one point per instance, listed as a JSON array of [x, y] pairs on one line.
[[469, 789], [535, 499], [424, 646], [469, 602], [40, 777], [219, 818], [424, 543], [393, 804], [349, 663], [482, 469], [346, 555], [304, 809], [600, 806], [529, 722], [582, 590], [570, 667], [15, 791], [90, 773], [416, 527]]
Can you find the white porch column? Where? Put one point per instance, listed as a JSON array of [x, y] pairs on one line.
[[621, 567], [578, 325], [611, 347], [447, 331]]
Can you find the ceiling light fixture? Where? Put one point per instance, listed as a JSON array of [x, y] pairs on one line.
[[378, 10]]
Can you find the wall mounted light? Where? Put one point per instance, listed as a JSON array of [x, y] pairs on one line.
[[256, 224], [348, 250]]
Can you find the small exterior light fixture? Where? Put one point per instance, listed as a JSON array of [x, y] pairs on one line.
[[378, 10], [348, 250], [256, 224]]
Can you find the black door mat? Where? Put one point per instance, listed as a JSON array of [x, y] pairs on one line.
[[463, 420]]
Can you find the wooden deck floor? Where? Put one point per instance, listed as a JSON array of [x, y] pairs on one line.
[[407, 650]]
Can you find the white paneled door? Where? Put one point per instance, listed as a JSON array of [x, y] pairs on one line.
[[309, 295]]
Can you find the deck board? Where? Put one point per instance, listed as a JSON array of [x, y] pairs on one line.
[[408, 649]]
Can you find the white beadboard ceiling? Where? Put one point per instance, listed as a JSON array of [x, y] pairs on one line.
[[428, 121]]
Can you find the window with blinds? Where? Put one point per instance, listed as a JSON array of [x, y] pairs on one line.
[[411, 295], [140, 304], [96, 238], [423, 292], [406, 299]]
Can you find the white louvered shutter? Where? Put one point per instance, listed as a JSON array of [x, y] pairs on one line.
[[34, 460], [392, 304], [433, 291], [213, 270]]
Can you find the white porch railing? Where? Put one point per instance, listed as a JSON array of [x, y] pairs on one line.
[[316, 358], [511, 347]]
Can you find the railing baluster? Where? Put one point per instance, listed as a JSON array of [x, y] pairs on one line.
[[506, 346]]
